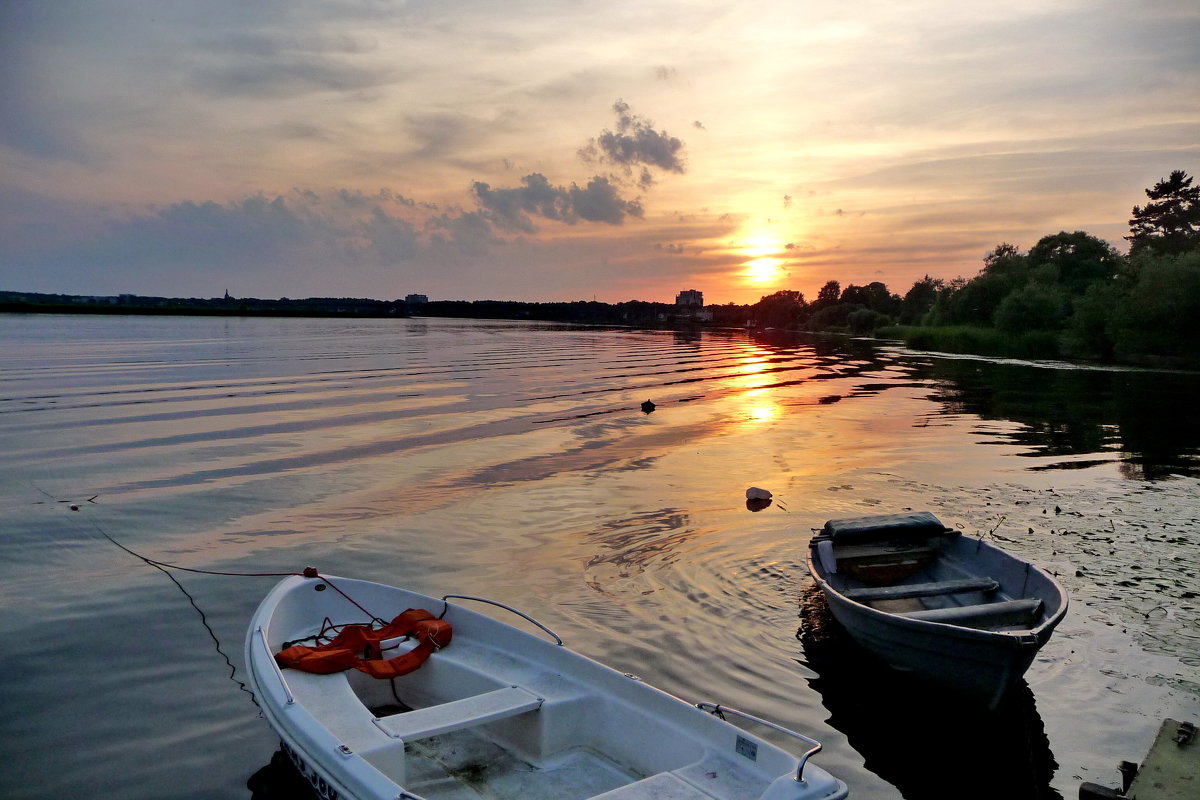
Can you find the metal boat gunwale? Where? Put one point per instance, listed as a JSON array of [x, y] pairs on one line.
[[823, 581], [935, 649]]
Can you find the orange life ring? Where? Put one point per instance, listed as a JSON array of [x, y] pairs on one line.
[[357, 647]]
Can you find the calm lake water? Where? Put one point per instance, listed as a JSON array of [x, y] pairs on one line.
[[511, 460]]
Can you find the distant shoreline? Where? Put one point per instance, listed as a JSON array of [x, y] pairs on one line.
[[189, 311], [632, 313], [37, 303]]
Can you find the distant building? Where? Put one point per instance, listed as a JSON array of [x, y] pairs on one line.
[[416, 298], [689, 297]]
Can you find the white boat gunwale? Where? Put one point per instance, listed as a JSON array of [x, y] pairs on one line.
[[310, 743], [719, 710]]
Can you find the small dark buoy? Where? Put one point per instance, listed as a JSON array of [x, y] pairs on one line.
[[647, 407]]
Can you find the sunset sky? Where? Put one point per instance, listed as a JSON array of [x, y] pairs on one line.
[[564, 151]]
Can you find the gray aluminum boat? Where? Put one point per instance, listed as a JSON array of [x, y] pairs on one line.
[[927, 600]]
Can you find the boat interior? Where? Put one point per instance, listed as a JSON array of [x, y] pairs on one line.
[[931, 574], [455, 730]]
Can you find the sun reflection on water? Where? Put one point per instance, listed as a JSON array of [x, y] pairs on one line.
[[760, 407]]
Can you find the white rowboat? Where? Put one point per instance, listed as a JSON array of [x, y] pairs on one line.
[[927, 600], [500, 714]]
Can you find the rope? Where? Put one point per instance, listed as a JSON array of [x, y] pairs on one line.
[[373, 617], [212, 634], [163, 565], [164, 568], [309, 572]]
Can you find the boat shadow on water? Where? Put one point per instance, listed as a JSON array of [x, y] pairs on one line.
[[924, 741], [280, 780]]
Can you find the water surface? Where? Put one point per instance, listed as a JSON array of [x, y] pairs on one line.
[[512, 460]]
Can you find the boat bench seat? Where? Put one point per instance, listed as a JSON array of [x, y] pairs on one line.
[[882, 551], [983, 615], [882, 563], [922, 589], [423, 723]]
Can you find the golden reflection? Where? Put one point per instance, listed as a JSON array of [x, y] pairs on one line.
[[752, 371], [754, 374], [761, 408]]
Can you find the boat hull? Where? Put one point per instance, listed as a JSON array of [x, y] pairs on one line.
[[974, 663], [979, 664], [544, 721]]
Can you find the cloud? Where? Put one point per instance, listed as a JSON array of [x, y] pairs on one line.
[[257, 233], [599, 202], [469, 233], [275, 236], [33, 121], [356, 198], [510, 209], [309, 230], [444, 134], [287, 76], [636, 144], [37, 117], [389, 238], [208, 232]]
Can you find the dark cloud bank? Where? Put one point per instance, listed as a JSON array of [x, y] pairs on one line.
[[509, 209], [346, 227]]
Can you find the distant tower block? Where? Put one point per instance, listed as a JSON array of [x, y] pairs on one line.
[[690, 297]]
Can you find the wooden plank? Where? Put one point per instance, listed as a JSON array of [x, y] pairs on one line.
[[1171, 770], [883, 550], [896, 606], [983, 615], [922, 589], [883, 564]]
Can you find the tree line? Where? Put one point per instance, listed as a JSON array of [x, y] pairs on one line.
[[1071, 295]]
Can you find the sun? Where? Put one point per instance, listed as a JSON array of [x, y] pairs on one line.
[[764, 270], [761, 244], [764, 267]]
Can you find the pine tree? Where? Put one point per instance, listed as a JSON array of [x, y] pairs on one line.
[[1170, 223]]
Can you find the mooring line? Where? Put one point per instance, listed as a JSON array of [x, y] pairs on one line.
[[165, 568]]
